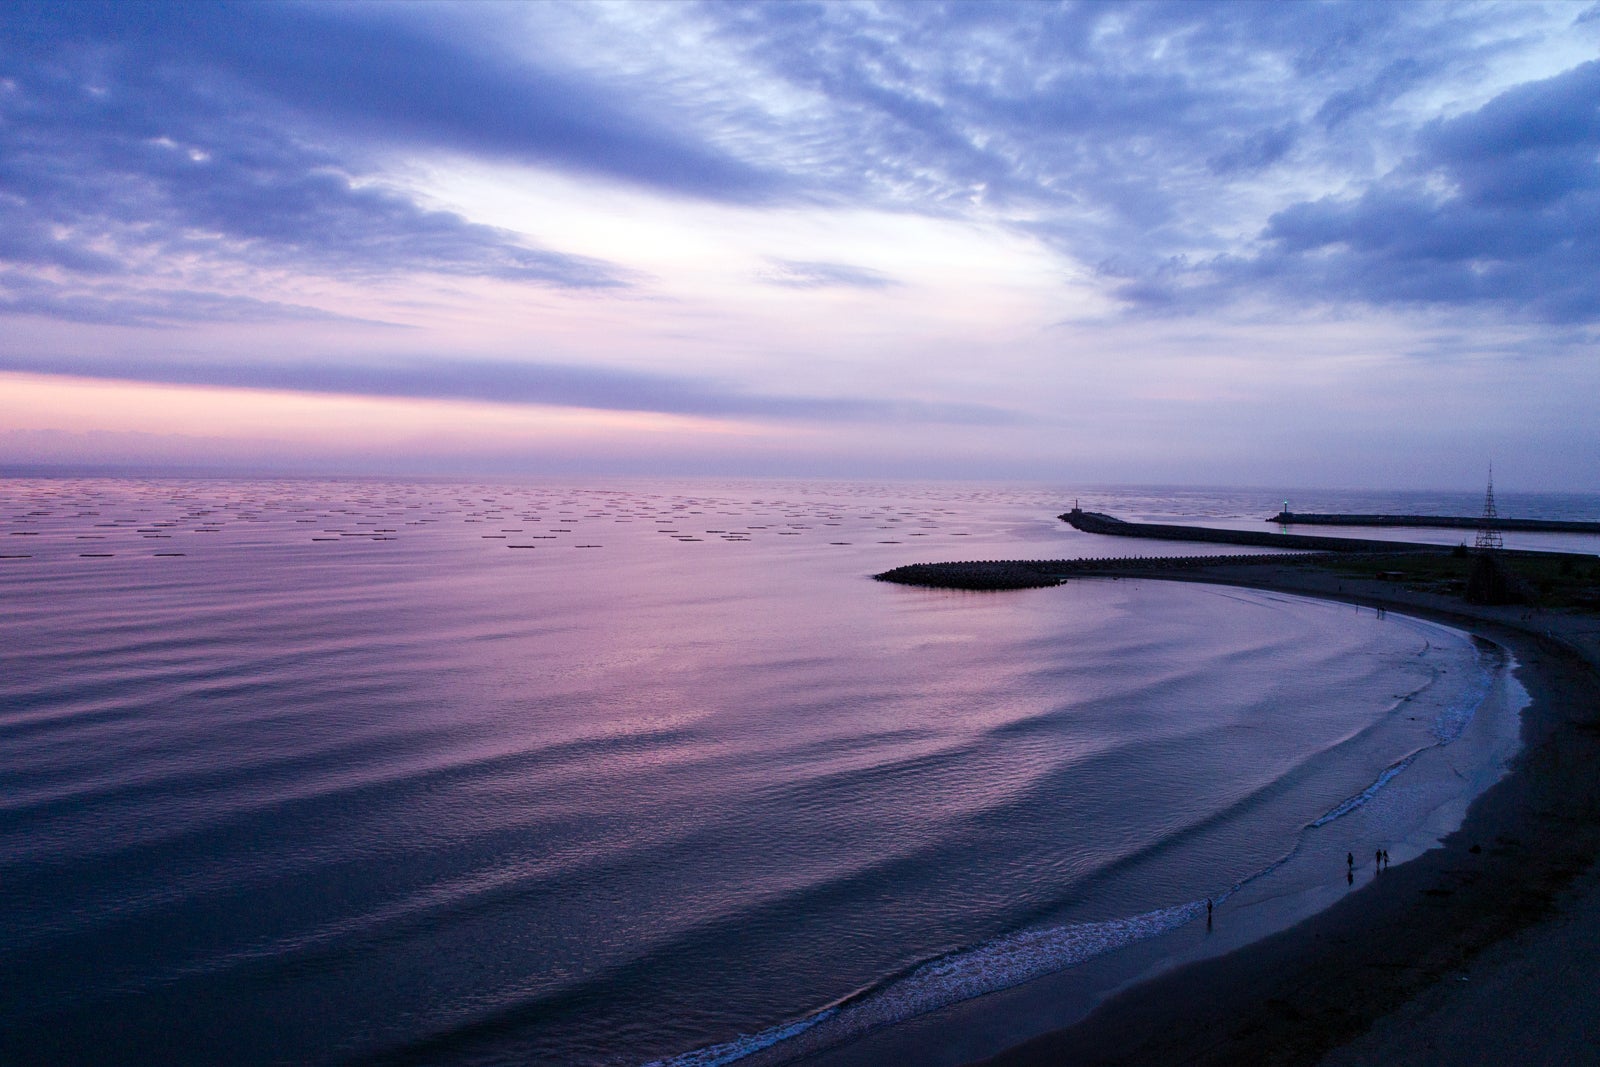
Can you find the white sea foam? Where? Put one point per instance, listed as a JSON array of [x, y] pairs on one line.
[[995, 965], [1448, 725], [1454, 718], [1347, 806], [744, 1044]]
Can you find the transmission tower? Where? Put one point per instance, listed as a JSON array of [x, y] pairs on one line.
[[1488, 536]]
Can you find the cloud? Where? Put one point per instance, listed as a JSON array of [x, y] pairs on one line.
[[799, 274], [1382, 89], [1172, 144], [116, 304], [1140, 132], [390, 80], [133, 138], [1497, 209], [379, 74], [1254, 151], [28, 240], [556, 384], [1179, 146]]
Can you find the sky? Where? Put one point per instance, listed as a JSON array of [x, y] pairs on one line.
[[1293, 244]]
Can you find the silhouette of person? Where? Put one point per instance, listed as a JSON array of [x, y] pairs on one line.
[[1386, 858], [1208, 913], [1377, 858], [1349, 859]]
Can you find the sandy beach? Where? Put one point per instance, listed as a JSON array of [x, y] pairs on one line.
[[1485, 949]]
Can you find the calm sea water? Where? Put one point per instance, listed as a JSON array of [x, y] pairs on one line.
[[323, 772]]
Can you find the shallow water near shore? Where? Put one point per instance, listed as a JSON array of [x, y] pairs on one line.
[[1407, 811], [617, 773]]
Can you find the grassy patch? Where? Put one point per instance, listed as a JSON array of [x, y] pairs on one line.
[[1553, 580]]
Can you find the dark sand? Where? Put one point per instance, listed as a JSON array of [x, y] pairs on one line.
[[1485, 949]]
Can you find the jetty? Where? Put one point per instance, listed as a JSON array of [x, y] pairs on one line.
[[994, 575], [1036, 573], [1100, 523], [1436, 522], [1387, 560]]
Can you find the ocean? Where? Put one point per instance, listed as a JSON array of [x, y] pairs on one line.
[[610, 772]]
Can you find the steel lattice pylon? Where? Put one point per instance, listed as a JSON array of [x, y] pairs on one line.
[[1489, 537]]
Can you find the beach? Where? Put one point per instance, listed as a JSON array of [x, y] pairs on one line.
[[1480, 950]]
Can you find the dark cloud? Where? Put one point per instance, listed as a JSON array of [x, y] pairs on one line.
[[1499, 208], [123, 202], [133, 138], [28, 240], [386, 74], [1254, 151], [563, 385], [1378, 91], [393, 81], [800, 274]]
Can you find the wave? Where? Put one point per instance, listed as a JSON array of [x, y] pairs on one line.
[[995, 965], [1448, 725], [1021, 957]]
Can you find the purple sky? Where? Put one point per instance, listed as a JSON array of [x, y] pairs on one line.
[[1294, 244]]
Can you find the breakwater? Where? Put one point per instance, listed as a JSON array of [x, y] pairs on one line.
[[1437, 522], [988, 575], [1100, 523]]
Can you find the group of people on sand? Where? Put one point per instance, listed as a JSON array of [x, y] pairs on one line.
[[1380, 860]]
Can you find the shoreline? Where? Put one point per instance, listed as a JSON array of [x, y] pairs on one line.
[[1403, 940]]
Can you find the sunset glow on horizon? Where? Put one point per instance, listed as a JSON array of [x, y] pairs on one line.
[[1243, 243]]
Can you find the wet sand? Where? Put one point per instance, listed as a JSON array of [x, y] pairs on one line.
[[1485, 949]]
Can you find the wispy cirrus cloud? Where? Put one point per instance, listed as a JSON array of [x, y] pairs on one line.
[[799, 274], [1171, 145]]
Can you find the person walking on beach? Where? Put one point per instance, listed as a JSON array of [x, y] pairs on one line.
[[1377, 859], [1349, 859]]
